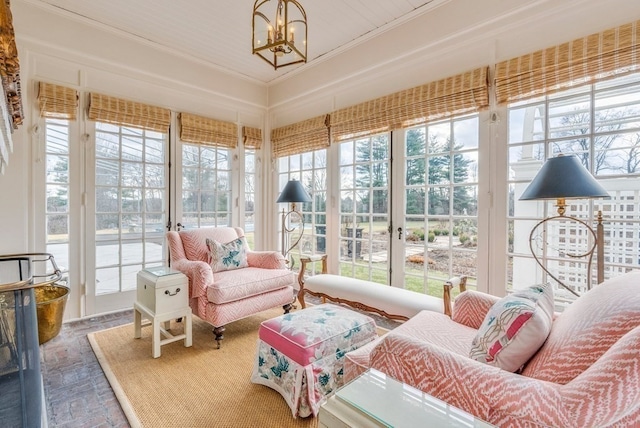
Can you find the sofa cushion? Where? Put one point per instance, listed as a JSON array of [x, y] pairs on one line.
[[228, 256], [428, 326], [515, 328], [587, 329], [229, 286]]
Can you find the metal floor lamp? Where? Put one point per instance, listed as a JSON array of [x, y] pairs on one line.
[[561, 178], [292, 193]]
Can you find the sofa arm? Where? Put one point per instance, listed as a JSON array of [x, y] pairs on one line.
[[471, 307], [490, 393], [199, 273], [266, 259]]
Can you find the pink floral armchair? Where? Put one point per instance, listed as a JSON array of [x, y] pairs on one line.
[[586, 374], [223, 296]]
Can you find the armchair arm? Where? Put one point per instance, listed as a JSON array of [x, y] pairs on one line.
[[199, 273], [492, 394], [609, 387], [471, 307], [266, 259]]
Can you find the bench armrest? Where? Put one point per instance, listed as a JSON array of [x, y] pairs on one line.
[[457, 281], [304, 260]]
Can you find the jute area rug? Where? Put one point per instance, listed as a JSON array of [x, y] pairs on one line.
[[198, 386]]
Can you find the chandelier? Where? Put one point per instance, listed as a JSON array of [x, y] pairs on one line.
[[281, 40]]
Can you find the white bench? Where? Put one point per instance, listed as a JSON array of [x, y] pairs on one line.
[[391, 302]]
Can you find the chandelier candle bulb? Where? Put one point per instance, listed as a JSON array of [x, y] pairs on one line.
[[280, 19]]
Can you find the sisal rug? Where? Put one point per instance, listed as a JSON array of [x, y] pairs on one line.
[[198, 386]]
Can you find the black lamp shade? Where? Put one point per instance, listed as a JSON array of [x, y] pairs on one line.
[[563, 177], [293, 192]]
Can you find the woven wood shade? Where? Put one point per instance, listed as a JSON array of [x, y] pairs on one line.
[[252, 137], [103, 108], [308, 135], [590, 59], [57, 102], [211, 132], [464, 93]]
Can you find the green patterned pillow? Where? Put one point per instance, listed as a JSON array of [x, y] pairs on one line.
[[232, 255]]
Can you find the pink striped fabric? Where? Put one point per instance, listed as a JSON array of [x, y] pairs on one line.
[[586, 375], [227, 296]]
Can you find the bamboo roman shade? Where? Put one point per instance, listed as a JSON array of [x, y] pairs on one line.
[[57, 102], [308, 135], [464, 93], [252, 137], [212, 132], [590, 59], [103, 108]]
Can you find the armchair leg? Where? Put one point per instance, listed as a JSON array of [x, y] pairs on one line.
[[219, 333], [287, 308]]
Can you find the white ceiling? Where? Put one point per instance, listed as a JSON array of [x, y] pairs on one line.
[[218, 32]]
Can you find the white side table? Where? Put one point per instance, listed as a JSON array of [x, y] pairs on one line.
[[162, 295]]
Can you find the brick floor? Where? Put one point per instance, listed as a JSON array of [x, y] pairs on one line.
[[78, 394]]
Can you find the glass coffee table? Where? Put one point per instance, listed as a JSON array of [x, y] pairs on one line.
[[376, 400]]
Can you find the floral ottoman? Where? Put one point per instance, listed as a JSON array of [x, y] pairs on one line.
[[301, 354]]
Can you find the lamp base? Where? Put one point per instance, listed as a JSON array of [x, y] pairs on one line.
[[539, 235]]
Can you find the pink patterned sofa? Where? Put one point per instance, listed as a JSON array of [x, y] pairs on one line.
[[586, 374], [225, 296]]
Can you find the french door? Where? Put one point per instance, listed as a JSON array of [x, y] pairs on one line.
[[127, 205], [440, 181], [411, 223], [365, 167]]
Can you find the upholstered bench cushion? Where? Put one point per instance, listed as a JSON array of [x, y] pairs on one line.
[[392, 300], [229, 286], [316, 332]]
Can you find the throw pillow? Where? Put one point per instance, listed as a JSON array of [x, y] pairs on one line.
[[232, 255], [515, 328]]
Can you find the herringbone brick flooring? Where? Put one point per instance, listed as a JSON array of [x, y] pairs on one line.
[[77, 393]]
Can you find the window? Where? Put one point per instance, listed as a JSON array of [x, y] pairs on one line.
[[441, 203], [600, 124], [206, 186], [130, 210], [310, 169], [57, 190], [250, 191], [364, 208]]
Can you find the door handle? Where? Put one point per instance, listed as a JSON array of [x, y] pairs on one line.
[[179, 226], [399, 233]]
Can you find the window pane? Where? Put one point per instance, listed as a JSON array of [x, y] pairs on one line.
[[604, 135]]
